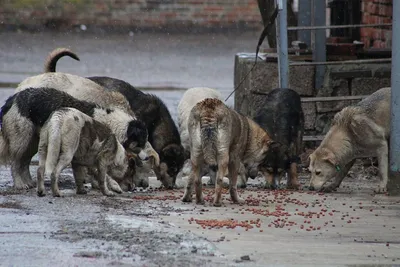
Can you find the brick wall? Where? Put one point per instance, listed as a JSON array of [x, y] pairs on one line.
[[131, 13], [376, 11]]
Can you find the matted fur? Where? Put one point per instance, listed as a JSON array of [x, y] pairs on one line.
[[358, 131], [72, 137], [222, 138], [190, 98]]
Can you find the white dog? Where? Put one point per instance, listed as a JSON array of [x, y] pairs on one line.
[[72, 137]]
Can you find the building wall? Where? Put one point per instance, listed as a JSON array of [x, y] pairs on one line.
[[376, 11], [132, 13]]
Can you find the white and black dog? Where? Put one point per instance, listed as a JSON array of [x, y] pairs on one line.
[[25, 112], [72, 137]]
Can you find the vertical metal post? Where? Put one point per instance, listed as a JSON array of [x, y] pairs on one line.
[[282, 44], [319, 49], [394, 157], [304, 19]]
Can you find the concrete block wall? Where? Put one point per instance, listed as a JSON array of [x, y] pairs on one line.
[[143, 14], [373, 12], [318, 116]]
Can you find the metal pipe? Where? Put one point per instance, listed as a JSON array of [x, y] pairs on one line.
[[319, 49], [304, 20], [282, 44], [394, 155], [361, 61], [339, 26]]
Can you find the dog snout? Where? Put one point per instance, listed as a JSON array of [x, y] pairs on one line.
[[253, 174], [143, 155]]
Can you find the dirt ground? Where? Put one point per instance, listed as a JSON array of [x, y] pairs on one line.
[[152, 227]]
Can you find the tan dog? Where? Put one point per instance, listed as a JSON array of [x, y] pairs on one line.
[[358, 131], [222, 138]]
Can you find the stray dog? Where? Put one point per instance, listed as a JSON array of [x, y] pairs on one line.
[[163, 134], [72, 137], [222, 138], [25, 113], [87, 90], [282, 117], [359, 131], [189, 99]]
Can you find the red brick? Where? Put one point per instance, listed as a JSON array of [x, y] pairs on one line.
[[366, 41], [385, 10], [366, 32], [379, 44]]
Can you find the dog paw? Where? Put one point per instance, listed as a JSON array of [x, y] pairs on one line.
[[380, 190], [41, 193], [295, 186], [200, 201], [187, 198], [217, 204], [81, 191], [115, 186], [20, 186], [239, 201], [108, 193], [56, 194]]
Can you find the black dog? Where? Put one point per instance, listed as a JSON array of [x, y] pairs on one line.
[[281, 115], [163, 133]]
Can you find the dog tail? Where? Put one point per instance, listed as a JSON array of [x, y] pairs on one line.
[[208, 118], [52, 138], [55, 55]]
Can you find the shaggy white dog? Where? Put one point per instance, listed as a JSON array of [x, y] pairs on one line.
[[72, 137]]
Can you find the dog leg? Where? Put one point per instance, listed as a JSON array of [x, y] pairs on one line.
[[198, 185], [233, 168], [40, 182], [269, 180], [383, 162], [222, 170], [63, 162], [192, 179], [293, 182], [101, 177], [18, 169], [79, 175]]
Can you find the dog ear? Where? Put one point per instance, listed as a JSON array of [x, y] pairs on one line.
[[330, 157], [137, 132], [273, 146]]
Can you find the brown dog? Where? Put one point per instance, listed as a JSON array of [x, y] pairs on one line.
[[222, 138], [358, 131]]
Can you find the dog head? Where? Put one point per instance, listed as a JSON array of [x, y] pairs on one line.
[[172, 158], [137, 135], [324, 167], [120, 163], [268, 146]]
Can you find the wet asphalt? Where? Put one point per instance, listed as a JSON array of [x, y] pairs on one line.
[[155, 228]]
